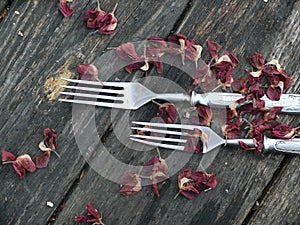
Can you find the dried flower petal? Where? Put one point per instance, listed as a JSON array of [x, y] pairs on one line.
[[88, 72], [157, 170], [43, 160], [283, 131], [20, 164], [93, 216], [132, 184], [196, 142], [49, 142], [203, 76], [257, 61], [205, 115], [7, 156], [167, 112], [65, 8], [213, 49], [26, 162], [191, 184]]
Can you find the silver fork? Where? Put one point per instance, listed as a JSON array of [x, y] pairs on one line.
[[132, 95], [214, 140]]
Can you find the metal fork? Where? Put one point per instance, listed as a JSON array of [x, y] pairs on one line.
[[214, 140], [132, 95]]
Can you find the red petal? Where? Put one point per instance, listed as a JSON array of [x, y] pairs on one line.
[[65, 9], [20, 170], [42, 160], [282, 131], [213, 48], [167, 112], [88, 72], [93, 211], [256, 60], [127, 52], [7, 156], [204, 113], [132, 184], [195, 141], [26, 162], [239, 85], [50, 139]]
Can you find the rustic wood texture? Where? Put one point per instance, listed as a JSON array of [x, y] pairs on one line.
[[252, 189]]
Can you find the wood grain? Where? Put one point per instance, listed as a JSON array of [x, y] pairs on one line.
[[252, 189]]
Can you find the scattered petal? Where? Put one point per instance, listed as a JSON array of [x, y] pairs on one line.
[[132, 184], [167, 112], [65, 9], [88, 72]]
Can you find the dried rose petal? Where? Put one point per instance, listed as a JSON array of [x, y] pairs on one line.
[[106, 23], [132, 184], [205, 115], [88, 72], [187, 185], [274, 91], [43, 160], [204, 181], [127, 52], [93, 216], [157, 169], [26, 162], [49, 142], [7, 156], [245, 147], [65, 8], [19, 169], [91, 17], [167, 112], [232, 130], [283, 131], [196, 141], [213, 49], [272, 113], [239, 85], [203, 76], [257, 61]]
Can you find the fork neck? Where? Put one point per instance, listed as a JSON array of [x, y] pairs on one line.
[[180, 97], [235, 142]]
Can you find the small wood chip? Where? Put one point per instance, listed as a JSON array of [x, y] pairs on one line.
[[50, 204]]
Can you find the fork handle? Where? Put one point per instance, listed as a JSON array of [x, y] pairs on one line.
[[289, 102], [291, 146], [178, 97]]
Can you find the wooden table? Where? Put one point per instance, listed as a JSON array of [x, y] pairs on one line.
[[37, 41]]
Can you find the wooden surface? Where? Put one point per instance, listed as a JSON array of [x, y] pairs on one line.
[[252, 189]]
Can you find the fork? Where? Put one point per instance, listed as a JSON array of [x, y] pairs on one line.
[[214, 140], [133, 95]]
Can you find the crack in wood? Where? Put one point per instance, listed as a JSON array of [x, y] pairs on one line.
[[267, 190], [5, 9]]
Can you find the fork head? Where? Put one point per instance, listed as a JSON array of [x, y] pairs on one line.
[[123, 95], [160, 131]]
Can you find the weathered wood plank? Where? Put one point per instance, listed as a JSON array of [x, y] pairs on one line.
[[244, 28], [27, 62], [282, 201]]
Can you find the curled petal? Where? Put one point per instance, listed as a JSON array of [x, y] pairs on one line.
[[283, 131], [43, 160], [26, 162], [19, 169], [213, 49], [50, 140], [205, 115], [167, 112], [257, 61], [132, 184], [88, 72], [127, 52], [196, 141], [65, 8], [7, 156]]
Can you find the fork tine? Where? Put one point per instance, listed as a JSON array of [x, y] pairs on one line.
[[175, 147], [93, 96], [93, 89], [103, 104], [164, 125], [158, 138], [99, 83], [160, 131]]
